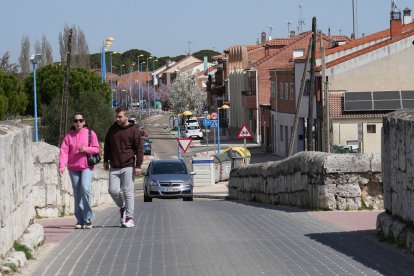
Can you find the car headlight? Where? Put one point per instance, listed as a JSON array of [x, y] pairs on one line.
[[187, 182], [153, 183]]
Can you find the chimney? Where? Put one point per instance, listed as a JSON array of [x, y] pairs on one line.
[[292, 34], [407, 18], [395, 24], [263, 38]]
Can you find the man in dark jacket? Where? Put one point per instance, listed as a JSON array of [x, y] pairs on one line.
[[123, 156]]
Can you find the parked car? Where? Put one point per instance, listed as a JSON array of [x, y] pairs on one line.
[[193, 132], [191, 122], [168, 179], [147, 146]]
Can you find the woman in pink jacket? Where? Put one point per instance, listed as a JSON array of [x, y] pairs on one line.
[[73, 153]]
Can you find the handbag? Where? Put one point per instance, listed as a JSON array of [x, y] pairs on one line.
[[93, 159]]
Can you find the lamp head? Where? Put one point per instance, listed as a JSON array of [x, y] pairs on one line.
[[35, 58]]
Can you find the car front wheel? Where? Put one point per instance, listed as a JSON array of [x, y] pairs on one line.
[[147, 198]]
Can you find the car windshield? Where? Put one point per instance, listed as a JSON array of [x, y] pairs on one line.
[[169, 168], [192, 127]]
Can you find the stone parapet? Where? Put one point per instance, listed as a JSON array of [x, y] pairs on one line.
[[398, 177], [53, 195], [30, 185], [16, 175], [312, 180]]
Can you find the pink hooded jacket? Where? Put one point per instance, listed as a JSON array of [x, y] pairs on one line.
[[69, 150]]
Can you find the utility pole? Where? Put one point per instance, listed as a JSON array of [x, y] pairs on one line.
[[310, 143], [325, 101], [65, 93], [299, 103]]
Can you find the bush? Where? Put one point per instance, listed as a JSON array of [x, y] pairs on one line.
[[26, 250], [98, 114]]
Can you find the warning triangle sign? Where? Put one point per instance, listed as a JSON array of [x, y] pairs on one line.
[[184, 143], [244, 133]]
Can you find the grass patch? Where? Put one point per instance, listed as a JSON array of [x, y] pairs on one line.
[[26, 250], [12, 266]]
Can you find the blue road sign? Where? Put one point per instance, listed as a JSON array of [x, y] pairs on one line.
[[207, 122], [214, 124]]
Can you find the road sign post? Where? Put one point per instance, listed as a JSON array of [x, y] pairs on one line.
[[207, 123], [184, 143], [244, 133]]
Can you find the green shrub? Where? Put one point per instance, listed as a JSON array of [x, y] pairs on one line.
[[12, 266], [26, 250]]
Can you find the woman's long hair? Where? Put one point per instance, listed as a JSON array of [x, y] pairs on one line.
[[83, 116]]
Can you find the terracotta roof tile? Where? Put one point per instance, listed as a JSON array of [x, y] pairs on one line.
[[365, 50], [336, 109]]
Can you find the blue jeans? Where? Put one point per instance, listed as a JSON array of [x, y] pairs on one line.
[[82, 190]]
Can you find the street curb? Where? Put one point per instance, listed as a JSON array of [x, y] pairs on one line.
[[211, 196]]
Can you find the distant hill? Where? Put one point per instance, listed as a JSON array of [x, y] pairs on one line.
[[131, 56]]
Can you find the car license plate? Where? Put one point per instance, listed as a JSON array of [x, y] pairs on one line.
[[170, 189]]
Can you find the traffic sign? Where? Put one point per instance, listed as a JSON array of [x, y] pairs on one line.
[[184, 143], [214, 124], [214, 115], [206, 122], [244, 133]]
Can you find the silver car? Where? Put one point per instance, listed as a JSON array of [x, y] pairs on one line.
[[168, 179]]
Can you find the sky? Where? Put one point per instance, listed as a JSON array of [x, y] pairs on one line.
[[171, 28]]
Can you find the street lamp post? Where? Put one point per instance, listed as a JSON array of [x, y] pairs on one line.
[[153, 84], [140, 97], [112, 91], [130, 83], [35, 59], [106, 43], [148, 88], [224, 106]]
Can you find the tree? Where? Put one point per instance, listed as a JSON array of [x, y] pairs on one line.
[[163, 93], [63, 43], [13, 101], [185, 95], [47, 54], [49, 82], [6, 66], [24, 58], [80, 48], [97, 111], [206, 53], [82, 51]]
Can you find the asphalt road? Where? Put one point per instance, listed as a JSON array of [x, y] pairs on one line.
[[217, 237]]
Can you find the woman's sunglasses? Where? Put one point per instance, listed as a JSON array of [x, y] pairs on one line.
[[78, 121]]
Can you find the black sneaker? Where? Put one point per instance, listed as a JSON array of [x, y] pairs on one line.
[[88, 224], [122, 210]]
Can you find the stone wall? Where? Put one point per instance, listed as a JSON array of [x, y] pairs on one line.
[[16, 175], [30, 184], [397, 222], [312, 180], [53, 195]]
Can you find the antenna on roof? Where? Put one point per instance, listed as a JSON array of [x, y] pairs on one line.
[[270, 31], [301, 21], [189, 48], [289, 23], [393, 6]]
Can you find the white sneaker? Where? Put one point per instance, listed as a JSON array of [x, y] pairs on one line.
[[128, 223]]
